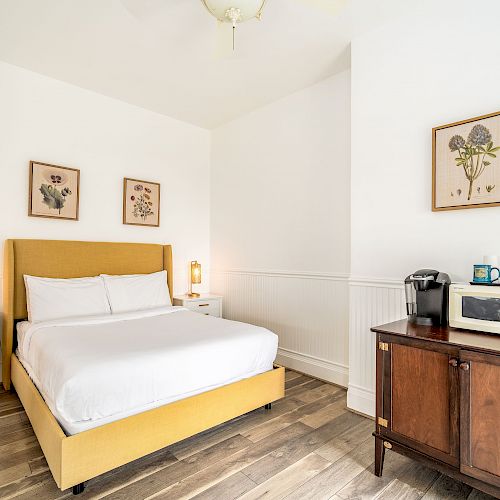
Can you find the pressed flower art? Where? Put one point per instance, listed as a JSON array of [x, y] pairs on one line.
[[466, 169], [53, 191], [141, 203]]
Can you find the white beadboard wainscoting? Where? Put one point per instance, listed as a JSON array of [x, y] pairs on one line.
[[372, 302], [309, 313]]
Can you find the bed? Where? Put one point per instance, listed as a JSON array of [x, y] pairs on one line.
[[82, 437]]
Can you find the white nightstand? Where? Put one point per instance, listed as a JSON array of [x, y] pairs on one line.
[[206, 303]]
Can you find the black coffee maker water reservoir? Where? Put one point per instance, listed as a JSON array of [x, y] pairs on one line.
[[427, 297]]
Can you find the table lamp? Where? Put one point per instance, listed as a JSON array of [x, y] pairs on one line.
[[195, 278]]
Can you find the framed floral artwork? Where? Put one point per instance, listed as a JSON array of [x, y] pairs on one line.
[[141, 202], [465, 164], [54, 191]]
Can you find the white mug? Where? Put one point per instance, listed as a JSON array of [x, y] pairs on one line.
[[492, 260]]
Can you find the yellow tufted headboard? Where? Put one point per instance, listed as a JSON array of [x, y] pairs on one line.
[[68, 259]]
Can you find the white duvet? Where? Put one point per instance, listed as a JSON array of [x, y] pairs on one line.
[[97, 369]]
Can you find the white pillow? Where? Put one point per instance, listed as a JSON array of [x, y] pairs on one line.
[[49, 298], [134, 292]]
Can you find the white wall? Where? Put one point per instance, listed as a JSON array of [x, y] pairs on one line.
[[436, 64], [50, 121], [280, 223]]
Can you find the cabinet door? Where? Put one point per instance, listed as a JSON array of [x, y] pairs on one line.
[[480, 416], [421, 399]]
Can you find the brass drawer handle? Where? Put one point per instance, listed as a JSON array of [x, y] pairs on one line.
[[453, 362], [203, 305], [464, 366]]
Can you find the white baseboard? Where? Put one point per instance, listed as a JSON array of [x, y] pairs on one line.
[[316, 367], [361, 400]]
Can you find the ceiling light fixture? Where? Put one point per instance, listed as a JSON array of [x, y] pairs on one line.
[[234, 11]]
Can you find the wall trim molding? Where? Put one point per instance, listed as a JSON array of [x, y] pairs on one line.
[[283, 273], [317, 367], [361, 399], [376, 282], [280, 273]]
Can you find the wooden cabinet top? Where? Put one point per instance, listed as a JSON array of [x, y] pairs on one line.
[[466, 339]]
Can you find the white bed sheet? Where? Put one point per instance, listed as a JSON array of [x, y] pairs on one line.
[[95, 370]]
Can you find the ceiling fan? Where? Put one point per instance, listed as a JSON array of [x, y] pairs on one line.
[[230, 13]]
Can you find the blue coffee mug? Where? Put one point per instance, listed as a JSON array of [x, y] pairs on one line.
[[482, 273]]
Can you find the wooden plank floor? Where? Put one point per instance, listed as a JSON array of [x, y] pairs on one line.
[[307, 447]]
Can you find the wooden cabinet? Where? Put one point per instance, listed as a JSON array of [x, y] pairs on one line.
[[423, 379], [438, 400], [480, 416]]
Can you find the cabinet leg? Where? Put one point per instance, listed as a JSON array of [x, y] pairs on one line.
[[77, 489], [379, 456]]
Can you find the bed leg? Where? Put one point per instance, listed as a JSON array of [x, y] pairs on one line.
[[268, 406], [78, 488]]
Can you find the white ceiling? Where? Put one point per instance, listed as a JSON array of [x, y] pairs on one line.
[[160, 54]]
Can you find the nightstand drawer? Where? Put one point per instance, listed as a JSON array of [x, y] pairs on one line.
[[211, 307], [204, 304]]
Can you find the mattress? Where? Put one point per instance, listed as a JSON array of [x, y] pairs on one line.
[[94, 370]]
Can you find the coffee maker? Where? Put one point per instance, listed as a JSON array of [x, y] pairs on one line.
[[427, 297]]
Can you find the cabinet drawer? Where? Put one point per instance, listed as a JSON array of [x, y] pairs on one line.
[[211, 307]]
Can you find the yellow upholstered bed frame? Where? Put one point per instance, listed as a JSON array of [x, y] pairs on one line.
[[77, 458]]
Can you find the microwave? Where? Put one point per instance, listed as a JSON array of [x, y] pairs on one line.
[[475, 307]]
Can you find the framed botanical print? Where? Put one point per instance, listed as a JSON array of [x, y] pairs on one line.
[[465, 164], [141, 202], [54, 191]]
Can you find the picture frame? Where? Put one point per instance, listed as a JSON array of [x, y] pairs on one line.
[[466, 164], [54, 191], [141, 202]]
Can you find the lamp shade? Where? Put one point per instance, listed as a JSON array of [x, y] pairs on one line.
[[195, 272], [247, 9]]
